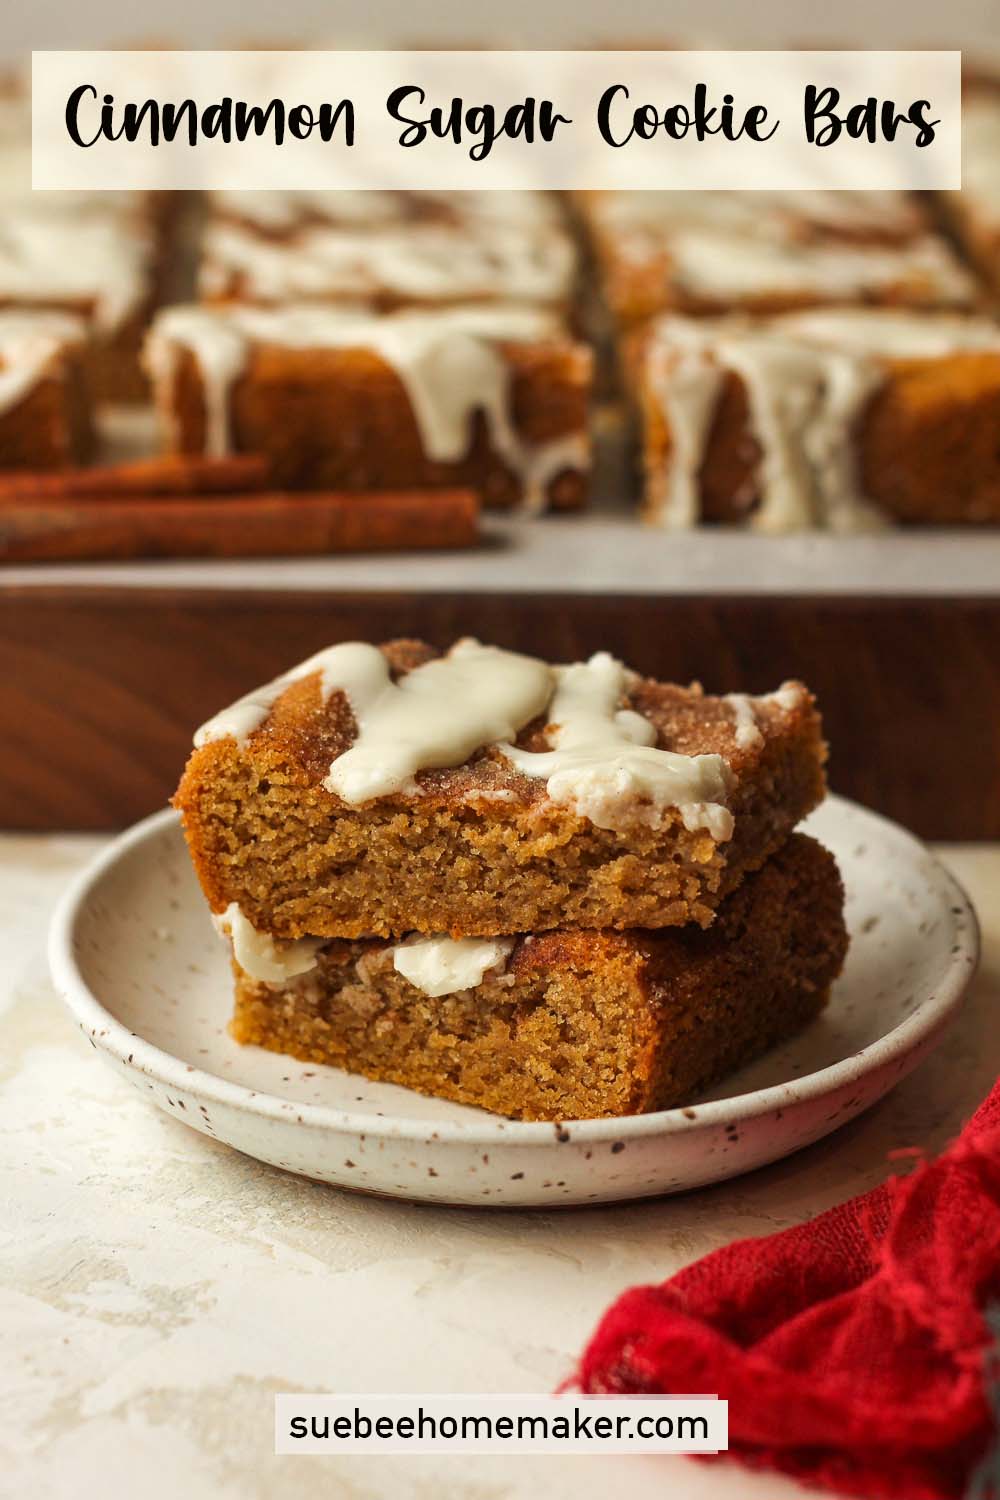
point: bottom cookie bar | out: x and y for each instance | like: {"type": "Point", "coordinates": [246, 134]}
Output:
{"type": "Point", "coordinates": [567, 1024]}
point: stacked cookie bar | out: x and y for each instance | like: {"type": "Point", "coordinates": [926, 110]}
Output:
{"type": "Point", "coordinates": [550, 891]}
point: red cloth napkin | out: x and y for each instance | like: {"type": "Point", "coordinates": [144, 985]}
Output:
{"type": "Point", "coordinates": [853, 1349]}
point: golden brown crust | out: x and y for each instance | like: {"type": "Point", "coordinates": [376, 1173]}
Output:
{"type": "Point", "coordinates": [581, 1024]}
{"type": "Point", "coordinates": [458, 858]}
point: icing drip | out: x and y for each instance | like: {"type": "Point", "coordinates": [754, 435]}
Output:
{"type": "Point", "coordinates": [803, 405]}
{"type": "Point", "coordinates": [604, 763]}
{"type": "Point", "coordinates": [268, 960]}
{"type": "Point", "coordinates": [443, 966]}
{"type": "Point", "coordinates": [29, 342]}
{"type": "Point", "coordinates": [539, 465]}
{"type": "Point", "coordinates": [747, 731]}
{"type": "Point", "coordinates": [437, 715]}
{"type": "Point", "coordinates": [220, 349]}
{"type": "Point", "coordinates": [449, 362]}
{"type": "Point", "coordinates": [807, 377]}
{"type": "Point", "coordinates": [746, 728]}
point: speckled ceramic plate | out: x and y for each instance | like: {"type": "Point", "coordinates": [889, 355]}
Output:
{"type": "Point", "coordinates": [136, 958]}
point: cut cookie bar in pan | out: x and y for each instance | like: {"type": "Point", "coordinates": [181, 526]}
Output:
{"type": "Point", "coordinates": [710, 253]}
{"type": "Point", "coordinates": [418, 263]}
{"type": "Point", "coordinates": [842, 418]}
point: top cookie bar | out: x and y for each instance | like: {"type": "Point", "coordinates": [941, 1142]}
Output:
{"type": "Point", "coordinates": [378, 791]}
{"type": "Point", "coordinates": [707, 253]}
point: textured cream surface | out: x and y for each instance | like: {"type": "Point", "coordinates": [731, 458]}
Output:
{"type": "Point", "coordinates": [443, 965]}
{"type": "Point", "coordinates": [158, 1288]}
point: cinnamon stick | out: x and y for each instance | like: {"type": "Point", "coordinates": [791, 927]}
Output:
{"type": "Point", "coordinates": [190, 475]}
{"type": "Point", "coordinates": [256, 525]}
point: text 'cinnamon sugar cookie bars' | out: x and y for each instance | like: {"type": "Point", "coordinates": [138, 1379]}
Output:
{"type": "Point", "coordinates": [553, 892]}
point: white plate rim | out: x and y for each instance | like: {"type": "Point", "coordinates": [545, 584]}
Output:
{"type": "Point", "coordinates": [136, 1053]}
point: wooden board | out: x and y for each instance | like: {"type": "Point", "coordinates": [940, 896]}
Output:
{"type": "Point", "coordinates": [101, 687]}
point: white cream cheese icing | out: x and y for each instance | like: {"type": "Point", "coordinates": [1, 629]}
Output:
{"type": "Point", "coordinates": [604, 763]}
{"type": "Point", "coordinates": [746, 730]}
{"type": "Point", "coordinates": [280, 211]}
{"type": "Point", "coordinates": [442, 966]}
{"type": "Point", "coordinates": [266, 959]}
{"type": "Point", "coordinates": [277, 211]}
{"type": "Point", "coordinates": [725, 266]}
{"type": "Point", "coordinates": [762, 215]}
{"type": "Point", "coordinates": [356, 668]}
{"type": "Point", "coordinates": [746, 724]}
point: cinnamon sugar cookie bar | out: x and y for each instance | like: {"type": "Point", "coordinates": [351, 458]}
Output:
{"type": "Point", "coordinates": [278, 214]}
{"type": "Point", "coordinates": [973, 212]}
{"type": "Point", "coordinates": [383, 791]}
{"type": "Point", "coordinates": [567, 1024]}
{"type": "Point", "coordinates": [491, 397]}
{"type": "Point", "coordinates": [837, 418]}
{"type": "Point", "coordinates": [705, 253]}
